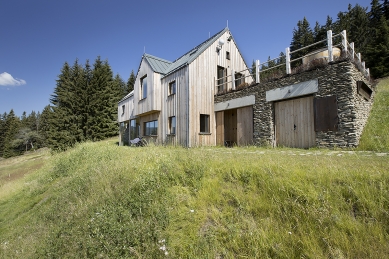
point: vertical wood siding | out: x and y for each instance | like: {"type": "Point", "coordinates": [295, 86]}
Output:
{"type": "Point", "coordinates": [175, 105]}
{"type": "Point", "coordinates": [202, 75]}
{"type": "Point", "coordinates": [128, 111]}
{"type": "Point", "coordinates": [153, 100]}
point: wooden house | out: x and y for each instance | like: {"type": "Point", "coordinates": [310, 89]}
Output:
{"type": "Point", "coordinates": [173, 102]}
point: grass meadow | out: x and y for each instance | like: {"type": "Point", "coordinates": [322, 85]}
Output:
{"type": "Point", "coordinates": [99, 200]}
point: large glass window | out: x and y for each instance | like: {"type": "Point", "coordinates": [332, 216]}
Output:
{"type": "Point", "coordinates": [172, 125]}
{"type": "Point", "coordinates": [143, 87]}
{"type": "Point", "coordinates": [133, 129]}
{"type": "Point", "coordinates": [172, 88]}
{"type": "Point", "coordinates": [151, 128]}
{"type": "Point", "coordinates": [204, 123]}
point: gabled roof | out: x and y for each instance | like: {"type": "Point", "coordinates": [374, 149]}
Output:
{"type": "Point", "coordinates": [165, 67]}
{"type": "Point", "coordinates": [158, 65]}
{"type": "Point", "coordinates": [191, 55]}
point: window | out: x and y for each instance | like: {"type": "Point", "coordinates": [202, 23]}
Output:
{"type": "Point", "coordinates": [143, 87]}
{"type": "Point", "coordinates": [172, 88]}
{"type": "Point", "coordinates": [133, 129]}
{"type": "Point", "coordinates": [151, 128]}
{"type": "Point", "coordinates": [239, 79]}
{"type": "Point", "coordinates": [227, 55]}
{"type": "Point", "coordinates": [204, 123]}
{"type": "Point", "coordinates": [123, 108]}
{"type": "Point", "coordinates": [172, 125]}
{"type": "Point", "coordinates": [221, 73]}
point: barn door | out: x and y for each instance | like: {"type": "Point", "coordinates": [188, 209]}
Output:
{"type": "Point", "coordinates": [294, 123]}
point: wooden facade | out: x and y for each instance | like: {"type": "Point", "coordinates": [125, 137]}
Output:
{"type": "Point", "coordinates": [192, 103]}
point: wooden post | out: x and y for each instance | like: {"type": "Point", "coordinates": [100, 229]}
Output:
{"type": "Point", "coordinates": [352, 50]}
{"type": "Point", "coordinates": [368, 72]}
{"type": "Point", "coordinates": [257, 78]}
{"type": "Point", "coordinates": [329, 44]}
{"type": "Point", "coordinates": [363, 65]}
{"type": "Point", "coordinates": [359, 57]}
{"type": "Point", "coordinates": [344, 40]}
{"type": "Point", "coordinates": [287, 56]}
{"type": "Point", "coordinates": [233, 79]}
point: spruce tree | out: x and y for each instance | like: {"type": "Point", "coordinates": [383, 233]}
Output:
{"type": "Point", "coordinates": [130, 83]}
{"type": "Point", "coordinates": [3, 131]}
{"type": "Point", "coordinates": [12, 125]}
{"type": "Point", "coordinates": [302, 37]}
{"type": "Point", "coordinates": [103, 102]}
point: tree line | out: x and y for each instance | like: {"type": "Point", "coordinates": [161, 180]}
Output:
{"type": "Point", "coordinates": [82, 107]}
{"type": "Point", "coordinates": [368, 29]}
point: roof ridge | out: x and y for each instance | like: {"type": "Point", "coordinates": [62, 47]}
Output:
{"type": "Point", "coordinates": [198, 46]}
{"type": "Point", "coordinates": [155, 57]}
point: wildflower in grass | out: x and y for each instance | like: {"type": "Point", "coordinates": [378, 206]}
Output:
{"type": "Point", "coordinates": [191, 211]}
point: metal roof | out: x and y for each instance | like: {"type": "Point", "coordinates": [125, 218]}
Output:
{"type": "Point", "coordinates": [158, 65]}
{"type": "Point", "coordinates": [191, 55]}
{"type": "Point", "coordinates": [166, 67]}
{"type": "Point", "coordinates": [127, 96]}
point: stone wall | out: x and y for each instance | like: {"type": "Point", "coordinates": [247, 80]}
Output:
{"type": "Point", "coordinates": [337, 79]}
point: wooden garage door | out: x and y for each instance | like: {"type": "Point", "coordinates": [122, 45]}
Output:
{"type": "Point", "coordinates": [294, 123]}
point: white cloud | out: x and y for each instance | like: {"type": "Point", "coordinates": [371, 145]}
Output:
{"type": "Point", "coordinates": [7, 80]}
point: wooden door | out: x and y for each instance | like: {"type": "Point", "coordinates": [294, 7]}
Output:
{"type": "Point", "coordinates": [245, 125]}
{"type": "Point", "coordinates": [294, 123]}
{"type": "Point", "coordinates": [220, 128]}
{"type": "Point", "coordinates": [230, 127]}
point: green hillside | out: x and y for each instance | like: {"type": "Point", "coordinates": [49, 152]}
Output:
{"type": "Point", "coordinates": [98, 200]}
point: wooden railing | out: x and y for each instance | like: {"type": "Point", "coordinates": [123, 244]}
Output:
{"type": "Point", "coordinates": [345, 46]}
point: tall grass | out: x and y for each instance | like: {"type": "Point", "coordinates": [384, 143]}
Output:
{"type": "Point", "coordinates": [102, 201]}
{"type": "Point", "coordinates": [375, 136]}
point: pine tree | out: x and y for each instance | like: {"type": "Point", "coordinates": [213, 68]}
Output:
{"type": "Point", "coordinates": [385, 7]}
{"type": "Point", "coordinates": [3, 131]}
{"type": "Point", "coordinates": [377, 53]}
{"type": "Point", "coordinates": [356, 22]}
{"type": "Point", "coordinates": [12, 125]}
{"type": "Point", "coordinates": [120, 86]}
{"type": "Point", "coordinates": [103, 102]}
{"type": "Point", "coordinates": [302, 37]}
{"type": "Point", "coordinates": [130, 83]}
{"type": "Point", "coordinates": [44, 124]}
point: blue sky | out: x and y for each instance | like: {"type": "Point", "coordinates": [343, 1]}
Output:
{"type": "Point", "coordinates": [38, 36]}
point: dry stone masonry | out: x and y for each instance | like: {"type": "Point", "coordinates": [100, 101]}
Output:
{"type": "Point", "coordinates": [336, 79]}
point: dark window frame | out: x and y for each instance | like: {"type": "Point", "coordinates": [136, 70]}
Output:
{"type": "Point", "coordinates": [172, 88]}
{"type": "Point", "coordinates": [204, 123]}
{"type": "Point", "coordinates": [172, 125]}
{"type": "Point", "coordinates": [151, 128]}
{"type": "Point", "coordinates": [143, 87]}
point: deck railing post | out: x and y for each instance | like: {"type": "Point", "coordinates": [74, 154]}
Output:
{"type": "Point", "coordinates": [359, 57]}
{"type": "Point", "coordinates": [233, 79]}
{"type": "Point", "coordinates": [344, 40]}
{"type": "Point", "coordinates": [352, 50]}
{"type": "Point", "coordinates": [363, 65]}
{"type": "Point", "coordinates": [287, 56]}
{"type": "Point", "coordinates": [257, 79]}
{"type": "Point", "coordinates": [329, 44]}
{"type": "Point", "coordinates": [368, 72]}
